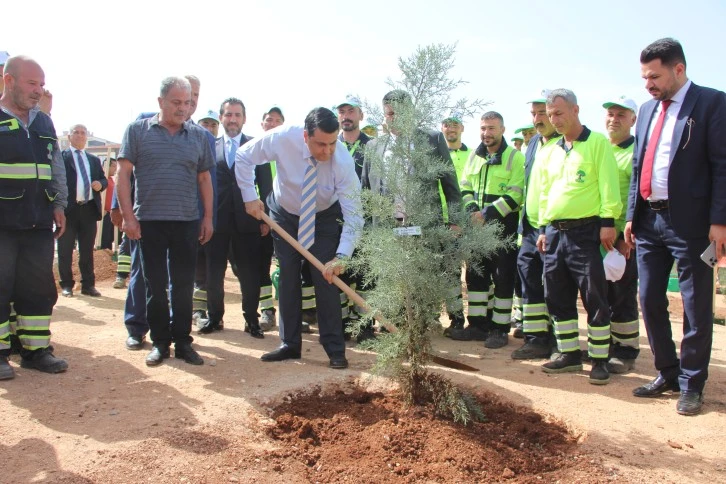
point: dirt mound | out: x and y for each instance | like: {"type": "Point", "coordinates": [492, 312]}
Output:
{"type": "Point", "coordinates": [358, 436]}
{"type": "Point", "coordinates": [104, 266]}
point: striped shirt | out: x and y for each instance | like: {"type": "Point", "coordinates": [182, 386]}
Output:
{"type": "Point", "coordinates": [166, 168]}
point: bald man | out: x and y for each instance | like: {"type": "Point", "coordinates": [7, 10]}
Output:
{"type": "Point", "coordinates": [33, 197]}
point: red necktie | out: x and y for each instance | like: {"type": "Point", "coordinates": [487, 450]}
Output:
{"type": "Point", "coordinates": [647, 172]}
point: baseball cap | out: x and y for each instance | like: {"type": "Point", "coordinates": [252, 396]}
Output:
{"type": "Point", "coordinates": [614, 264]}
{"type": "Point", "coordinates": [623, 102]}
{"type": "Point", "coordinates": [211, 114]}
{"type": "Point", "coordinates": [541, 97]}
{"type": "Point", "coordinates": [274, 109]}
{"type": "Point", "coordinates": [517, 137]}
{"type": "Point", "coordinates": [4, 56]}
{"type": "Point", "coordinates": [455, 116]}
{"type": "Point", "coordinates": [523, 128]}
{"type": "Point", "coordinates": [350, 100]}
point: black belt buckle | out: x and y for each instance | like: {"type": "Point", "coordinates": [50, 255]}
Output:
{"type": "Point", "coordinates": [658, 205]}
{"type": "Point", "coordinates": [560, 224]}
{"type": "Point", "coordinates": [82, 202]}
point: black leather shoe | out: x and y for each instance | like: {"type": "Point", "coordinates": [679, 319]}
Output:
{"type": "Point", "coordinates": [282, 353]}
{"type": "Point", "coordinates": [90, 291]}
{"type": "Point", "coordinates": [656, 387]}
{"type": "Point", "coordinates": [207, 326]}
{"type": "Point", "coordinates": [338, 362]}
{"type": "Point", "coordinates": [254, 330]}
{"type": "Point", "coordinates": [67, 291]}
{"type": "Point", "coordinates": [187, 353]}
{"type": "Point", "coordinates": [689, 403]}
{"type": "Point", "coordinates": [135, 343]}
{"type": "Point", "coordinates": [157, 355]}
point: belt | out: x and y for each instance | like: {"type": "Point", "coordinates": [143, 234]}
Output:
{"type": "Point", "coordinates": [658, 204]}
{"type": "Point", "coordinates": [83, 202]}
{"type": "Point", "coordinates": [567, 224]}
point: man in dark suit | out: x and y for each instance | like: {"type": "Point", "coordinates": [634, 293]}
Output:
{"type": "Point", "coordinates": [235, 227]}
{"type": "Point", "coordinates": [86, 181]}
{"type": "Point", "coordinates": [381, 148]}
{"type": "Point", "coordinates": [677, 205]}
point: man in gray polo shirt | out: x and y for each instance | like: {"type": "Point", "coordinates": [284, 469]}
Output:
{"type": "Point", "coordinates": [170, 158]}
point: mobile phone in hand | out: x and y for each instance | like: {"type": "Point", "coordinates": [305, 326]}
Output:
{"type": "Point", "coordinates": [709, 255]}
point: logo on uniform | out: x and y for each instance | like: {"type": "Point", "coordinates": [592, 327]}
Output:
{"type": "Point", "coordinates": [50, 151]}
{"type": "Point", "coordinates": [580, 176]}
{"type": "Point", "coordinates": [502, 187]}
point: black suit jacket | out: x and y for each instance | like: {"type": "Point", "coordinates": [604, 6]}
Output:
{"type": "Point", "coordinates": [697, 173]}
{"type": "Point", "coordinates": [71, 179]}
{"type": "Point", "coordinates": [231, 214]}
{"type": "Point", "coordinates": [438, 148]}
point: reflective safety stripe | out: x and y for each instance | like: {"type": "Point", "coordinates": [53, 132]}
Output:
{"type": "Point", "coordinates": [33, 331]}
{"type": "Point", "coordinates": [517, 302]}
{"type": "Point", "coordinates": [477, 311]}
{"type": "Point", "coordinates": [25, 171]}
{"type": "Point", "coordinates": [515, 188]}
{"type": "Point", "coordinates": [308, 291]}
{"type": "Point", "coordinates": [534, 310]}
{"type": "Point", "coordinates": [534, 326]}
{"type": "Point", "coordinates": [501, 303]}
{"type": "Point", "coordinates": [562, 327]}
{"type": "Point", "coordinates": [265, 291]}
{"type": "Point", "coordinates": [502, 207]}
{"type": "Point", "coordinates": [565, 345]}
{"type": "Point", "coordinates": [199, 305]}
{"type": "Point", "coordinates": [200, 294]}
{"type": "Point", "coordinates": [599, 333]}
{"type": "Point", "coordinates": [630, 342]}
{"type": "Point", "coordinates": [630, 327]}
{"type": "Point", "coordinates": [5, 331]}
{"type": "Point", "coordinates": [500, 318]}
{"type": "Point", "coordinates": [124, 263]}
{"type": "Point", "coordinates": [308, 303]}
{"type": "Point", "coordinates": [476, 297]}
{"type": "Point", "coordinates": [598, 351]}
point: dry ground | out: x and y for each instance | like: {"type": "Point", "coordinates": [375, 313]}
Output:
{"type": "Point", "coordinates": [112, 419]}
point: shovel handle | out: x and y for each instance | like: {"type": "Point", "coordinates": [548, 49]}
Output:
{"type": "Point", "coordinates": [319, 265]}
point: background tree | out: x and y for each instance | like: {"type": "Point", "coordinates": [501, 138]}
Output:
{"type": "Point", "coordinates": [412, 277]}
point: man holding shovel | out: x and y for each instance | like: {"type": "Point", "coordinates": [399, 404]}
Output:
{"type": "Point", "coordinates": [316, 186]}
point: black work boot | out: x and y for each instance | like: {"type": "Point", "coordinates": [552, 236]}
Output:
{"type": "Point", "coordinates": [43, 360]}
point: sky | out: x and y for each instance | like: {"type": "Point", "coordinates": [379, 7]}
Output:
{"type": "Point", "coordinates": [104, 60]}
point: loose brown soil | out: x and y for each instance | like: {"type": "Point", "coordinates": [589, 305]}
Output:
{"type": "Point", "coordinates": [352, 435]}
{"type": "Point", "coordinates": [112, 419]}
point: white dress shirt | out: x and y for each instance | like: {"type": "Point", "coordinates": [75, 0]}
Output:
{"type": "Point", "coordinates": [664, 151]}
{"type": "Point", "coordinates": [337, 180]}
{"type": "Point", "coordinates": [80, 195]}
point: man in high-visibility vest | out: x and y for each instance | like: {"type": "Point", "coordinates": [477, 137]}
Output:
{"type": "Point", "coordinates": [34, 196]}
{"type": "Point", "coordinates": [535, 318]}
{"type": "Point", "coordinates": [578, 204]}
{"type": "Point", "coordinates": [452, 128]}
{"type": "Point", "coordinates": [623, 293]}
{"type": "Point", "coordinates": [492, 187]}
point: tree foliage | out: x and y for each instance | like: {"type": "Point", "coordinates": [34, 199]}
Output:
{"type": "Point", "coordinates": [410, 278]}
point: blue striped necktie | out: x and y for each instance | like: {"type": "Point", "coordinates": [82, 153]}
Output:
{"type": "Point", "coordinates": [232, 152]}
{"type": "Point", "coordinates": [84, 177]}
{"type": "Point", "coordinates": [306, 227]}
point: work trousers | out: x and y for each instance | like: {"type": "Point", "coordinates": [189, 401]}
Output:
{"type": "Point", "coordinates": [26, 278]}
{"type": "Point", "coordinates": [573, 262]}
